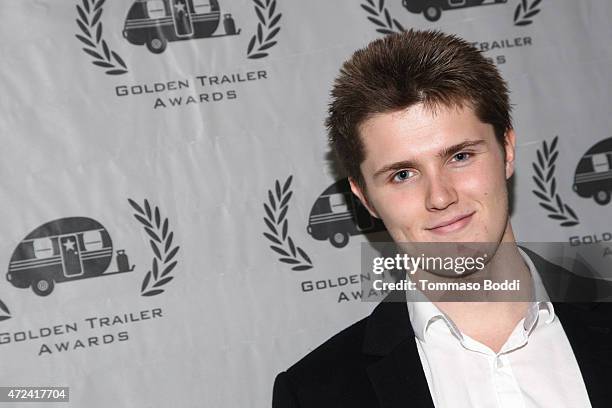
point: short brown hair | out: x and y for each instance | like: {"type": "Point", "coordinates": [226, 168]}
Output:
{"type": "Point", "coordinates": [404, 69]}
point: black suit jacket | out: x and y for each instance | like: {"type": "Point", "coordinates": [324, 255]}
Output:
{"type": "Point", "coordinates": [375, 362]}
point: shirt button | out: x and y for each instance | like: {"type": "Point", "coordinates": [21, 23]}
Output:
{"type": "Point", "coordinates": [498, 362]}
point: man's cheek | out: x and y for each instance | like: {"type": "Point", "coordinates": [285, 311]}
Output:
{"type": "Point", "coordinates": [475, 182]}
{"type": "Point", "coordinates": [403, 223]}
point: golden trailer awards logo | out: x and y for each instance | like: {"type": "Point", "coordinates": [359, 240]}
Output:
{"type": "Point", "coordinates": [336, 215]}
{"type": "Point", "coordinates": [379, 14]}
{"type": "Point", "coordinates": [69, 250]}
{"type": "Point", "coordinates": [159, 24]}
{"type": "Point", "coordinates": [592, 180]}
{"type": "Point", "coordinates": [74, 248]}
{"type": "Point", "coordinates": [387, 21]}
{"type": "Point", "coordinates": [155, 23]}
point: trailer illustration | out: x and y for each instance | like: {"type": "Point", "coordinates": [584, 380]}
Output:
{"type": "Point", "coordinates": [593, 176]}
{"type": "Point", "coordinates": [157, 22]}
{"type": "Point", "coordinates": [63, 250]}
{"type": "Point", "coordinates": [432, 9]}
{"type": "Point", "coordinates": [337, 214]}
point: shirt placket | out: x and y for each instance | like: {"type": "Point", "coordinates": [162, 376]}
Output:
{"type": "Point", "coordinates": [506, 388]}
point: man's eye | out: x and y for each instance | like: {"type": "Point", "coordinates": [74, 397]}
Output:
{"type": "Point", "coordinates": [462, 156]}
{"type": "Point", "coordinates": [402, 175]}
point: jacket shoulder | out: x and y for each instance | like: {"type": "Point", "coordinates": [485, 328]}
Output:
{"type": "Point", "coordinates": [336, 373]}
{"type": "Point", "coordinates": [333, 374]}
{"type": "Point", "coordinates": [345, 347]}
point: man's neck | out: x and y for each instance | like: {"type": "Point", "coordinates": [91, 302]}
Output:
{"type": "Point", "coordinates": [489, 323]}
{"type": "Point", "coordinates": [491, 317]}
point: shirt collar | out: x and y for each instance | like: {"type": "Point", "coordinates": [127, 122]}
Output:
{"type": "Point", "coordinates": [422, 312]}
{"type": "Point", "coordinates": [542, 301]}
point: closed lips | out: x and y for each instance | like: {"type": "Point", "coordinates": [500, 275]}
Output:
{"type": "Point", "coordinates": [451, 221]}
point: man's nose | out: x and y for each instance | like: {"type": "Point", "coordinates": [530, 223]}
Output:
{"type": "Point", "coordinates": [440, 193]}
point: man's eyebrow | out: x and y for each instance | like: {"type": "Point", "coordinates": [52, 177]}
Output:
{"type": "Point", "coordinates": [446, 152]}
{"type": "Point", "coordinates": [395, 166]}
{"type": "Point", "coordinates": [451, 150]}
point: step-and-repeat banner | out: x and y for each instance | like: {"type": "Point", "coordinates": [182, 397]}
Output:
{"type": "Point", "coordinates": [173, 232]}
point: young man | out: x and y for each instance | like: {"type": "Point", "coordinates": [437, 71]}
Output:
{"type": "Point", "coordinates": [421, 123]}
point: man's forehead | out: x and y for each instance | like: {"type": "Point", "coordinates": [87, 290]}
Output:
{"type": "Point", "coordinates": [419, 113]}
{"type": "Point", "coordinates": [420, 128]}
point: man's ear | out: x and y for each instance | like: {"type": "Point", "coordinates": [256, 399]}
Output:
{"type": "Point", "coordinates": [509, 146]}
{"type": "Point", "coordinates": [356, 189]}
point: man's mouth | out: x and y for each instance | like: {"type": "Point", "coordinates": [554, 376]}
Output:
{"type": "Point", "coordinates": [452, 224]}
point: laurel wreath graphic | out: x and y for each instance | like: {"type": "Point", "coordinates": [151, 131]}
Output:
{"type": "Point", "coordinates": [5, 310]}
{"type": "Point", "coordinates": [88, 20]}
{"type": "Point", "coordinates": [546, 184]}
{"type": "Point", "coordinates": [379, 15]}
{"type": "Point", "coordinates": [276, 221]}
{"type": "Point", "coordinates": [266, 29]}
{"type": "Point", "coordinates": [524, 12]}
{"type": "Point", "coordinates": [161, 244]}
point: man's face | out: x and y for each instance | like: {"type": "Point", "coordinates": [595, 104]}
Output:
{"type": "Point", "coordinates": [436, 177]}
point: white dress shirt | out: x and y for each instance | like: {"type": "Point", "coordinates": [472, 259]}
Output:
{"type": "Point", "coordinates": [535, 368]}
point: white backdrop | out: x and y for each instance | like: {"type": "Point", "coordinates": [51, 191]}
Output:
{"type": "Point", "coordinates": [207, 128]}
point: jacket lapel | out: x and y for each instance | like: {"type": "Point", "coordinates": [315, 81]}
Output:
{"type": "Point", "coordinates": [588, 327]}
{"type": "Point", "coordinates": [398, 378]}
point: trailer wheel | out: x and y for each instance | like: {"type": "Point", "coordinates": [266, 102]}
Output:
{"type": "Point", "coordinates": [156, 44]}
{"type": "Point", "coordinates": [602, 197]}
{"type": "Point", "coordinates": [42, 286]}
{"type": "Point", "coordinates": [432, 13]}
{"type": "Point", "coordinates": [339, 239]}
